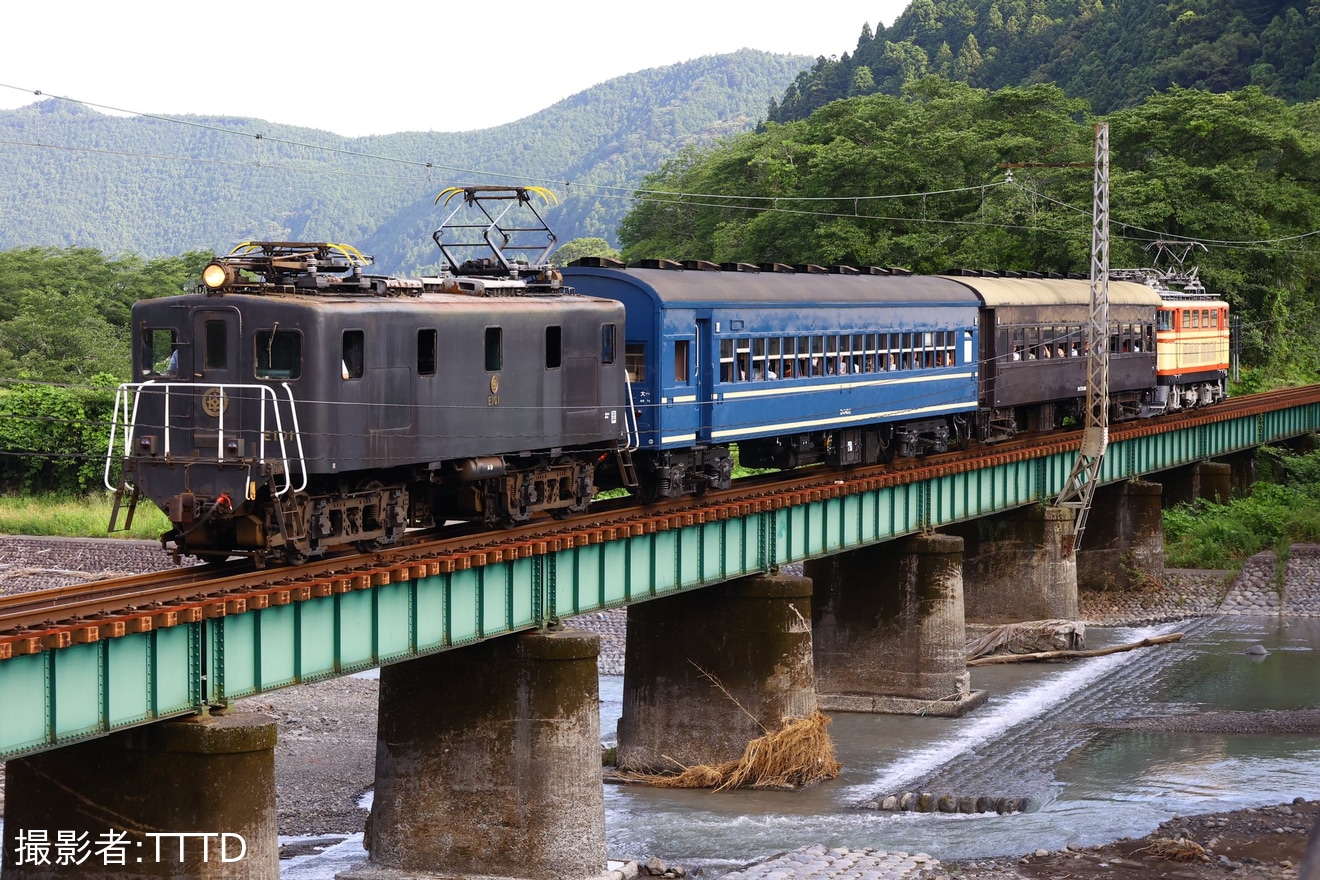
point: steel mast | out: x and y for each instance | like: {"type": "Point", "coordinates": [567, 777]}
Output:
{"type": "Point", "coordinates": [1080, 487]}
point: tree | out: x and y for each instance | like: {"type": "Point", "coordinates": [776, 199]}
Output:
{"type": "Point", "coordinates": [583, 247]}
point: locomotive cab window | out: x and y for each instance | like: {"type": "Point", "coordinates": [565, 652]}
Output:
{"type": "Point", "coordinates": [354, 358]}
{"type": "Point", "coordinates": [606, 344]}
{"type": "Point", "coordinates": [494, 349]}
{"type": "Point", "coordinates": [217, 345]}
{"type": "Point", "coordinates": [426, 344]}
{"type": "Point", "coordinates": [554, 347]}
{"type": "Point", "coordinates": [279, 354]}
{"type": "Point", "coordinates": [1165, 320]}
{"type": "Point", "coordinates": [158, 352]}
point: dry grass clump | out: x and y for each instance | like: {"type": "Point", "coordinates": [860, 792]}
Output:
{"type": "Point", "coordinates": [798, 754]}
{"type": "Point", "coordinates": [1175, 849]}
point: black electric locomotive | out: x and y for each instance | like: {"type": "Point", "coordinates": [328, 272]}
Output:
{"type": "Point", "coordinates": [300, 403]}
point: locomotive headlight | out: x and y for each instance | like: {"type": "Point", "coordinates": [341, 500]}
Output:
{"type": "Point", "coordinates": [217, 275]}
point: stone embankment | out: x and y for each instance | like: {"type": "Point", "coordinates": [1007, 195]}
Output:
{"type": "Point", "coordinates": [820, 863]}
{"type": "Point", "coordinates": [1261, 588]}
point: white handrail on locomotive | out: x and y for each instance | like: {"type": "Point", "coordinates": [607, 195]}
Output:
{"type": "Point", "coordinates": [135, 389]}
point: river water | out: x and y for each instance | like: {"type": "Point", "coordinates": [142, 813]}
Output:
{"type": "Point", "coordinates": [1041, 735]}
{"type": "Point", "coordinates": [1046, 733]}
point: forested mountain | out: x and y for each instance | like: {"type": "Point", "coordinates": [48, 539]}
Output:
{"type": "Point", "coordinates": [918, 181]}
{"type": "Point", "coordinates": [1113, 53]}
{"type": "Point", "coordinates": [76, 177]}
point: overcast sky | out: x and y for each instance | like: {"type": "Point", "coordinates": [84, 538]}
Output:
{"type": "Point", "coordinates": [386, 65]}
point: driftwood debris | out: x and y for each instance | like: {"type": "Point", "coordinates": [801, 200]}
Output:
{"type": "Point", "coordinates": [1069, 655]}
{"type": "Point", "coordinates": [799, 754]}
{"type": "Point", "coordinates": [1029, 637]}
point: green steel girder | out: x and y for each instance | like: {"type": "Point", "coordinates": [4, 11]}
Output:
{"type": "Point", "coordinates": [84, 691]}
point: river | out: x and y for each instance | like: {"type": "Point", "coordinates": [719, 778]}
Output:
{"type": "Point", "coordinates": [1049, 732]}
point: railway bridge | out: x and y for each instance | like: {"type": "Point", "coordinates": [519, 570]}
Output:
{"type": "Point", "coordinates": [488, 757]}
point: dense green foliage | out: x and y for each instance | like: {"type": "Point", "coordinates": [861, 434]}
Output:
{"type": "Point", "coordinates": [156, 187]}
{"type": "Point", "coordinates": [1113, 54]}
{"type": "Point", "coordinates": [1282, 509]}
{"type": "Point", "coordinates": [583, 247]}
{"type": "Point", "coordinates": [1218, 168]}
{"type": "Point", "coordinates": [64, 317]}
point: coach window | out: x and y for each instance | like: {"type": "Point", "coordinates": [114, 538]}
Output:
{"type": "Point", "coordinates": [634, 361]}
{"type": "Point", "coordinates": [1186, 319]}
{"type": "Point", "coordinates": [789, 370]}
{"type": "Point", "coordinates": [743, 359]}
{"type": "Point", "coordinates": [554, 347]}
{"type": "Point", "coordinates": [426, 352]}
{"type": "Point", "coordinates": [758, 360]}
{"type": "Point", "coordinates": [494, 349]}
{"type": "Point", "coordinates": [217, 345]}
{"type": "Point", "coordinates": [353, 360]}
{"type": "Point", "coordinates": [606, 344]}
{"type": "Point", "coordinates": [681, 347]}
{"type": "Point", "coordinates": [1214, 317]}
{"type": "Point", "coordinates": [1164, 317]}
{"type": "Point", "coordinates": [279, 354]}
{"type": "Point", "coordinates": [726, 360]}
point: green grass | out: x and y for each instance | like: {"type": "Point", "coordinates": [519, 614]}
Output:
{"type": "Point", "coordinates": [1282, 509]}
{"type": "Point", "coordinates": [68, 517]}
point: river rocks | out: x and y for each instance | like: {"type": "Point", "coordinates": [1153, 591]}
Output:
{"type": "Point", "coordinates": [656, 867]}
{"type": "Point", "coordinates": [821, 863]}
{"type": "Point", "coordinates": [926, 802]}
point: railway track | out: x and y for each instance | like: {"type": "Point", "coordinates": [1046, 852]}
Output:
{"type": "Point", "coordinates": [85, 613]}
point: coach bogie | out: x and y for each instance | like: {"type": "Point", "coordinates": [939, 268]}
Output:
{"type": "Point", "coordinates": [676, 473]}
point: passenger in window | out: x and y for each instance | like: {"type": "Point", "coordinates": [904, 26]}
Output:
{"type": "Point", "coordinates": [1017, 352]}
{"type": "Point", "coordinates": [1072, 352]}
{"type": "Point", "coordinates": [172, 368]}
{"type": "Point", "coordinates": [1045, 351]}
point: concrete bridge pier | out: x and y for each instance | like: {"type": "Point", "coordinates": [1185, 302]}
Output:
{"type": "Point", "coordinates": [488, 763]}
{"type": "Point", "coordinates": [1243, 465]}
{"type": "Point", "coordinates": [1202, 481]}
{"type": "Point", "coordinates": [1019, 566]}
{"type": "Point", "coordinates": [889, 630]}
{"type": "Point", "coordinates": [706, 672]}
{"type": "Point", "coordinates": [1123, 546]}
{"type": "Point", "coordinates": [191, 798]}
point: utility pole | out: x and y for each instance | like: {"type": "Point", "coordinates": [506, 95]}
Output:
{"type": "Point", "coordinates": [1078, 491]}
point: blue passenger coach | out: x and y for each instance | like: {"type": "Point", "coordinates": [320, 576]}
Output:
{"type": "Point", "coordinates": [794, 367]}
